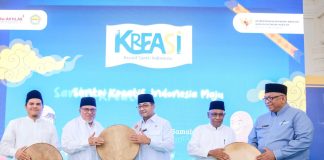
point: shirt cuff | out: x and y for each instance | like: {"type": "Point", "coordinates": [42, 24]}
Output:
{"type": "Point", "coordinates": [12, 152]}
{"type": "Point", "coordinates": [277, 154]}
{"type": "Point", "coordinates": [205, 153]}
{"type": "Point", "coordinates": [85, 143]}
{"type": "Point", "coordinates": [153, 143]}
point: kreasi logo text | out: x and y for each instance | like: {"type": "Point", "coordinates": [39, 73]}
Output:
{"type": "Point", "coordinates": [151, 46]}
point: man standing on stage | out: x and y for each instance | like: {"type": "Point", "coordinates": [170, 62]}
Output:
{"type": "Point", "coordinates": [284, 132]}
{"type": "Point", "coordinates": [80, 135]}
{"type": "Point", "coordinates": [154, 134]}
{"type": "Point", "coordinates": [208, 141]}
{"type": "Point", "coordinates": [23, 132]}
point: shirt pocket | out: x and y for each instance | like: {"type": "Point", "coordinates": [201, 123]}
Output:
{"type": "Point", "coordinates": [262, 130]}
{"type": "Point", "coordinates": [155, 133]}
{"type": "Point", "coordinates": [285, 129]}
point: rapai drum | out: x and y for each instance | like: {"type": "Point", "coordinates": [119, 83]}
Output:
{"type": "Point", "coordinates": [117, 145]}
{"type": "Point", "coordinates": [43, 151]}
{"type": "Point", "coordinates": [241, 151]}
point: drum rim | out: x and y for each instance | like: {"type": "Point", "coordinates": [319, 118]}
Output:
{"type": "Point", "coordinates": [102, 156]}
{"type": "Point", "coordinates": [246, 145]}
{"type": "Point", "coordinates": [50, 145]}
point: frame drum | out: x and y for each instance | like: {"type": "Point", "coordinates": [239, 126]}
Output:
{"type": "Point", "coordinates": [241, 151]}
{"type": "Point", "coordinates": [43, 151]}
{"type": "Point", "coordinates": [117, 145]}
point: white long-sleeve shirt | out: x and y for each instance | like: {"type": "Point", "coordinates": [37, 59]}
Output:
{"type": "Point", "coordinates": [75, 136]}
{"type": "Point", "coordinates": [160, 132]}
{"type": "Point", "coordinates": [25, 131]}
{"type": "Point", "coordinates": [207, 137]}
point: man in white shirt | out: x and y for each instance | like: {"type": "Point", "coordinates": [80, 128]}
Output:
{"type": "Point", "coordinates": [23, 132]}
{"type": "Point", "coordinates": [208, 141]}
{"type": "Point", "coordinates": [154, 134]}
{"type": "Point", "coordinates": [80, 135]}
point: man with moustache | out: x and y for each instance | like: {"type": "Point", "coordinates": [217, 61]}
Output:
{"type": "Point", "coordinates": [284, 133]}
{"type": "Point", "coordinates": [80, 135]}
{"type": "Point", "coordinates": [154, 134]}
{"type": "Point", "coordinates": [23, 132]}
{"type": "Point", "coordinates": [207, 141]}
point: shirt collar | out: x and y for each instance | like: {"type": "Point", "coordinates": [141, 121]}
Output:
{"type": "Point", "coordinates": [281, 111]}
{"type": "Point", "coordinates": [153, 118]}
{"type": "Point", "coordinates": [30, 119]}
{"type": "Point", "coordinates": [85, 122]}
{"type": "Point", "coordinates": [212, 127]}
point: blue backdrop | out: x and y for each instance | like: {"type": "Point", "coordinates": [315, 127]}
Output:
{"type": "Point", "coordinates": [226, 64]}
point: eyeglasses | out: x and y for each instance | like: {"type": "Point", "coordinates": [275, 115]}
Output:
{"type": "Point", "coordinates": [271, 98]}
{"type": "Point", "coordinates": [144, 105]}
{"type": "Point", "coordinates": [92, 110]}
{"type": "Point", "coordinates": [217, 114]}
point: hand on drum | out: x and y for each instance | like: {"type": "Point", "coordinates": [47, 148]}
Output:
{"type": "Point", "coordinates": [21, 154]}
{"type": "Point", "coordinates": [219, 154]}
{"type": "Point", "coordinates": [140, 139]}
{"type": "Point", "coordinates": [95, 141]}
{"type": "Point", "coordinates": [267, 155]}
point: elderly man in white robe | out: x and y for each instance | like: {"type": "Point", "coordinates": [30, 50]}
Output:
{"type": "Point", "coordinates": [207, 141]}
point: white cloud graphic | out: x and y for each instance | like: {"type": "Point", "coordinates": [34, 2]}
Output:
{"type": "Point", "coordinates": [255, 95]}
{"type": "Point", "coordinates": [20, 60]}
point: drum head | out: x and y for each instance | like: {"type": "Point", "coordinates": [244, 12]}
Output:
{"type": "Point", "coordinates": [241, 151]}
{"type": "Point", "coordinates": [43, 151]}
{"type": "Point", "coordinates": [117, 145]}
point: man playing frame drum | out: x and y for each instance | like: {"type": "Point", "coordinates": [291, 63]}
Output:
{"type": "Point", "coordinates": [154, 134]}
{"type": "Point", "coordinates": [117, 145]}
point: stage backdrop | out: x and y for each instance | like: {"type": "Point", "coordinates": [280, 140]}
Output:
{"type": "Point", "coordinates": [185, 53]}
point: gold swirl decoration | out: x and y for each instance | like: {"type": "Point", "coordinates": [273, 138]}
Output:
{"type": "Point", "coordinates": [19, 61]}
{"type": "Point", "coordinates": [296, 95]}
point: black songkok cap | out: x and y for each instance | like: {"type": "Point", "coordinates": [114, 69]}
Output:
{"type": "Point", "coordinates": [145, 98]}
{"type": "Point", "coordinates": [88, 101]}
{"type": "Point", "coordinates": [275, 87]}
{"type": "Point", "coordinates": [217, 105]}
{"type": "Point", "coordinates": [33, 94]}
